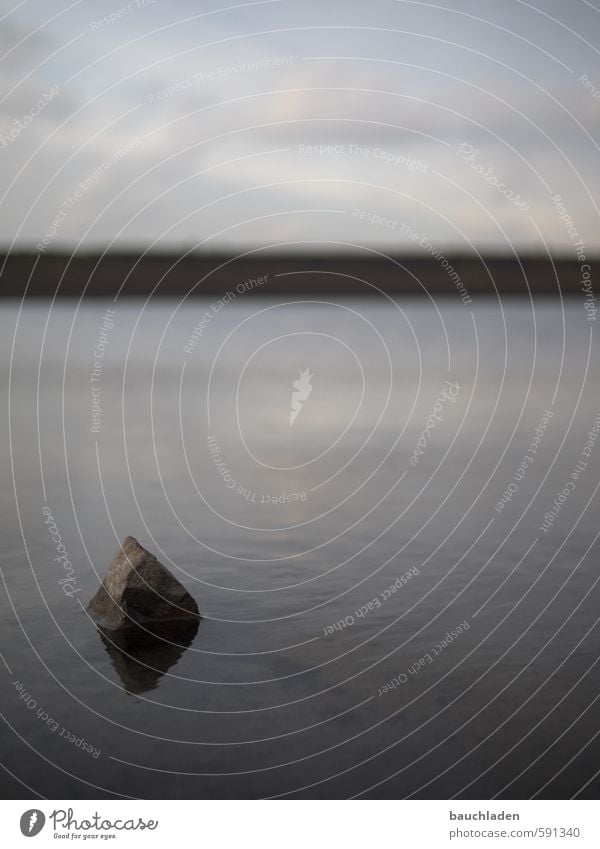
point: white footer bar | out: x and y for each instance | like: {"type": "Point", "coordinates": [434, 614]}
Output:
{"type": "Point", "coordinates": [297, 824]}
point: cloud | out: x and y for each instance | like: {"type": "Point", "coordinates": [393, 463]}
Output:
{"type": "Point", "coordinates": [222, 100]}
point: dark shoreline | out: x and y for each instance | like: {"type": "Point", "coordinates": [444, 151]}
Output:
{"type": "Point", "coordinates": [287, 275]}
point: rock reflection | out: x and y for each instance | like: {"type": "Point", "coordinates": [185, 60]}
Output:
{"type": "Point", "coordinates": [141, 659]}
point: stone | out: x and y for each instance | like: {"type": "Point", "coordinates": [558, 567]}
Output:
{"type": "Point", "coordinates": [140, 596]}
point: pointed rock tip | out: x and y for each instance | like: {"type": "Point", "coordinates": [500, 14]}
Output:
{"type": "Point", "coordinates": [139, 591]}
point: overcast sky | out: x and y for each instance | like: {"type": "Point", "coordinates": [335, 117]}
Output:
{"type": "Point", "coordinates": [198, 124]}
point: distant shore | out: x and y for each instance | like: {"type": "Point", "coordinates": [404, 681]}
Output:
{"type": "Point", "coordinates": [270, 274]}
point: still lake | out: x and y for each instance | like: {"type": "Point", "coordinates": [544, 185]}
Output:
{"type": "Point", "coordinates": [387, 512]}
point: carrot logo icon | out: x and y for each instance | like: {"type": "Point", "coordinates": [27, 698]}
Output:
{"type": "Point", "coordinates": [32, 822]}
{"type": "Point", "coordinates": [301, 390]}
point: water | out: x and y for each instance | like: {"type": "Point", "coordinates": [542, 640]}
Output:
{"type": "Point", "coordinates": [290, 538]}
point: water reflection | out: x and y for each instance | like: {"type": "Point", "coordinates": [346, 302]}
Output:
{"type": "Point", "coordinates": [141, 661]}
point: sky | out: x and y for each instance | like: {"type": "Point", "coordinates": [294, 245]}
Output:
{"type": "Point", "coordinates": [389, 125]}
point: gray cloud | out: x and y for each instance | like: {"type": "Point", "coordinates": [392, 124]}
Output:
{"type": "Point", "coordinates": [193, 122]}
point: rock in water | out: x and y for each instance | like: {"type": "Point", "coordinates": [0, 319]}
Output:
{"type": "Point", "coordinates": [139, 594]}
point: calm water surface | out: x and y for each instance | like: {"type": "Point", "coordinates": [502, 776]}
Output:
{"type": "Point", "coordinates": [290, 538]}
